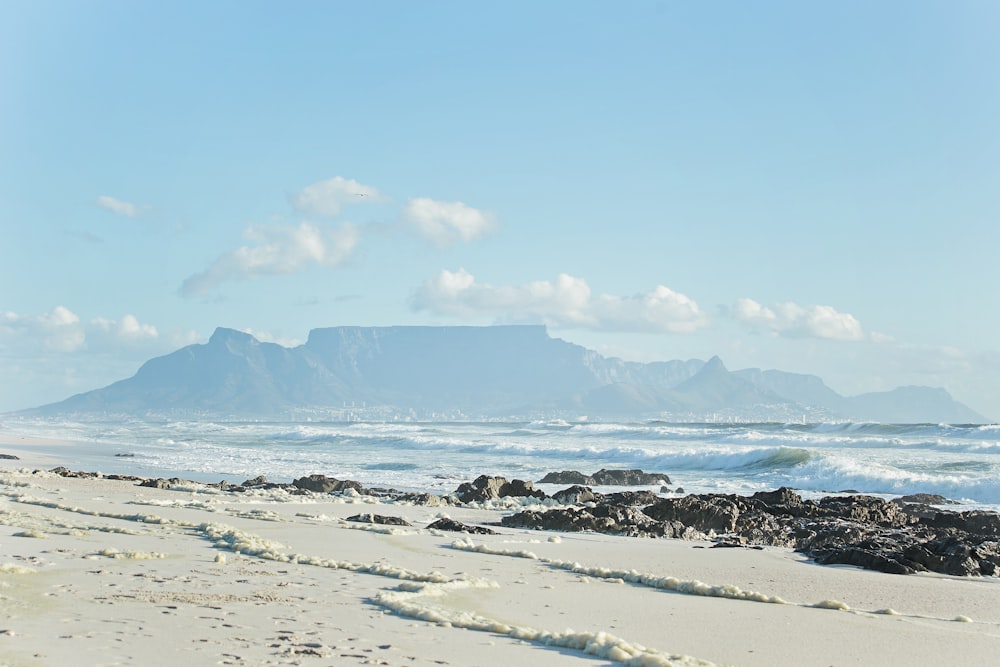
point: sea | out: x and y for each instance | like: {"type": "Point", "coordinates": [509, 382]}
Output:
{"type": "Point", "coordinates": [959, 462]}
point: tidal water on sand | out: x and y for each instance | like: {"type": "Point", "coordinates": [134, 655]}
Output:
{"type": "Point", "coordinates": [960, 462]}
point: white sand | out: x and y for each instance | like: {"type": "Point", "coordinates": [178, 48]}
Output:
{"type": "Point", "coordinates": [97, 572]}
{"type": "Point", "coordinates": [30, 451]}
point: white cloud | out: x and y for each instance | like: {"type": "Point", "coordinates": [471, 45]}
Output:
{"type": "Point", "coordinates": [58, 330]}
{"type": "Point", "coordinates": [444, 222]}
{"type": "Point", "coordinates": [277, 250]}
{"type": "Point", "coordinates": [792, 320]}
{"type": "Point", "coordinates": [326, 198]}
{"type": "Point", "coordinates": [118, 206]}
{"type": "Point", "coordinates": [62, 331]}
{"type": "Point", "coordinates": [565, 303]}
{"type": "Point", "coordinates": [108, 334]}
{"type": "Point", "coordinates": [58, 353]}
{"type": "Point", "coordinates": [268, 337]}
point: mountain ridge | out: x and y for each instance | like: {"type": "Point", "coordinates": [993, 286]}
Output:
{"type": "Point", "coordinates": [508, 371]}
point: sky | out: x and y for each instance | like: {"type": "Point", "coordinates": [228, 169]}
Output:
{"type": "Point", "coordinates": [812, 187]}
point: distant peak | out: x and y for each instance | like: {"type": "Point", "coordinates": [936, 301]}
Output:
{"type": "Point", "coordinates": [715, 364]}
{"type": "Point", "coordinates": [223, 335]}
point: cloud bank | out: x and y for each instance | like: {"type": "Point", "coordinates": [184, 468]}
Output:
{"type": "Point", "coordinates": [794, 321]}
{"type": "Point", "coordinates": [445, 223]}
{"type": "Point", "coordinates": [62, 331]}
{"type": "Point", "coordinates": [276, 250]}
{"type": "Point", "coordinates": [328, 197]}
{"type": "Point", "coordinates": [565, 303]}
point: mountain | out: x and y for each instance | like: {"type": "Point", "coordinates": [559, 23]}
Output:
{"type": "Point", "coordinates": [902, 405]}
{"type": "Point", "coordinates": [714, 387]}
{"type": "Point", "coordinates": [474, 372]}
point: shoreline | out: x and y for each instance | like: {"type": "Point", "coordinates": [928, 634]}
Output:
{"type": "Point", "coordinates": [24, 450]}
{"type": "Point", "coordinates": [113, 569]}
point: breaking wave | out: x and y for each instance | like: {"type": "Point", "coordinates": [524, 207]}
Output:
{"type": "Point", "coordinates": [957, 461]}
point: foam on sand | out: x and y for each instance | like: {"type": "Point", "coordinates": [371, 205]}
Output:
{"type": "Point", "coordinates": [266, 578]}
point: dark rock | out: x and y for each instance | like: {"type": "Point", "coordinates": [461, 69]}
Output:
{"type": "Point", "coordinates": [867, 558]}
{"type": "Point", "coordinates": [602, 519]}
{"type": "Point", "coordinates": [629, 478]}
{"type": "Point", "coordinates": [324, 484]}
{"type": "Point", "coordinates": [521, 489]}
{"type": "Point", "coordinates": [566, 477]}
{"type": "Point", "coordinates": [606, 477]}
{"type": "Point", "coordinates": [428, 499]}
{"type": "Point", "coordinates": [259, 480]}
{"type": "Point", "coordinates": [123, 478]}
{"type": "Point", "coordinates": [631, 498]}
{"type": "Point", "coordinates": [459, 527]}
{"type": "Point", "coordinates": [779, 498]}
{"type": "Point", "coordinates": [485, 487]}
{"type": "Point", "coordinates": [976, 522]}
{"type": "Point", "coordinates": [482, 488]}
{"type": "Point", "coordinates": [864, 531]}
{"type": "Point", "coordinates": [380, 519]}
{"type": "Point", "coordinates": [865, 509]}
{"type": "Point", "coordinates": [926, 499]}
{"type": "Point", "coordinates": [716, 514]}
{"type": "Point", "coordinates": [576, 495]}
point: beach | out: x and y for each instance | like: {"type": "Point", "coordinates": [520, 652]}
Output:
{"type": "Point", "coordinates": [105, 572]}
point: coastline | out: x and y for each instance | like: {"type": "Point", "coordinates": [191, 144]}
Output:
{"type": "Point", "coordinates": [115, 572]}
{"type": "Point", "coordinates": [25, 449]}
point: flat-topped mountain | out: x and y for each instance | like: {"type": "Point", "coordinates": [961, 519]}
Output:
{"type": "Point", "coordinates": [474, 372]}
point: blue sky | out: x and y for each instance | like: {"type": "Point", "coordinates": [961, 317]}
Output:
{"type": "Point", "coordinates": [812, 187]}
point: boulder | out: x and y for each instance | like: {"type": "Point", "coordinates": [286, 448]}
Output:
{"type": "Point", "coordinates": [458, 527]}
{"type": "Point", "coordinates": [566, 477]}
{"type": "Point", "coordinates": [485, 487]}
{"type": "Point", "coordinates": [858, 530]}
{"type": "Point", "coordinates": [977, 522]}
{"type": "Point", "coordinates": [629, 478]}
{"type": "Point", "coordinates": [629, 498]}
{"type": "Point", "coordinates": [379, 519]}
{"type": "Point", "coordinates": [609, 519]}
{"type": "Point", "coordinates": [926, 499]}
{"type": "Point", "coordinates": [324, 484]}
{"type": "Point", "coordinates": [709, 513]}
{"type": "Point", "coordinates": [606, 477]}
{"type": "Point", "coordinates": [576, 495]}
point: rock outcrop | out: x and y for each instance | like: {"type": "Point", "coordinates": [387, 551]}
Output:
{"type": "Point", "coordinates": [324, 484]}
{"type": "Point", "coordinates": [902, 536]}
{"type": "Point", "coordinates": [605, 477]}
{"type": "Point", "coordinates": [458, 527]}
{"type": "Point", "coordinates": [379, 519]}
{"type": "Point", "coordinates": [889, 536]}
{"type": "Point", "coordinates": [485, 488]}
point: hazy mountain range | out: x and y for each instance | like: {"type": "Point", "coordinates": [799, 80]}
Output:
{"type": "Point", "coordinates": [475, 373]}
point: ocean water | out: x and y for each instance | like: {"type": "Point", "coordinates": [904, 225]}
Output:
{"type": "Point", "coordinates": [961, 462]}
